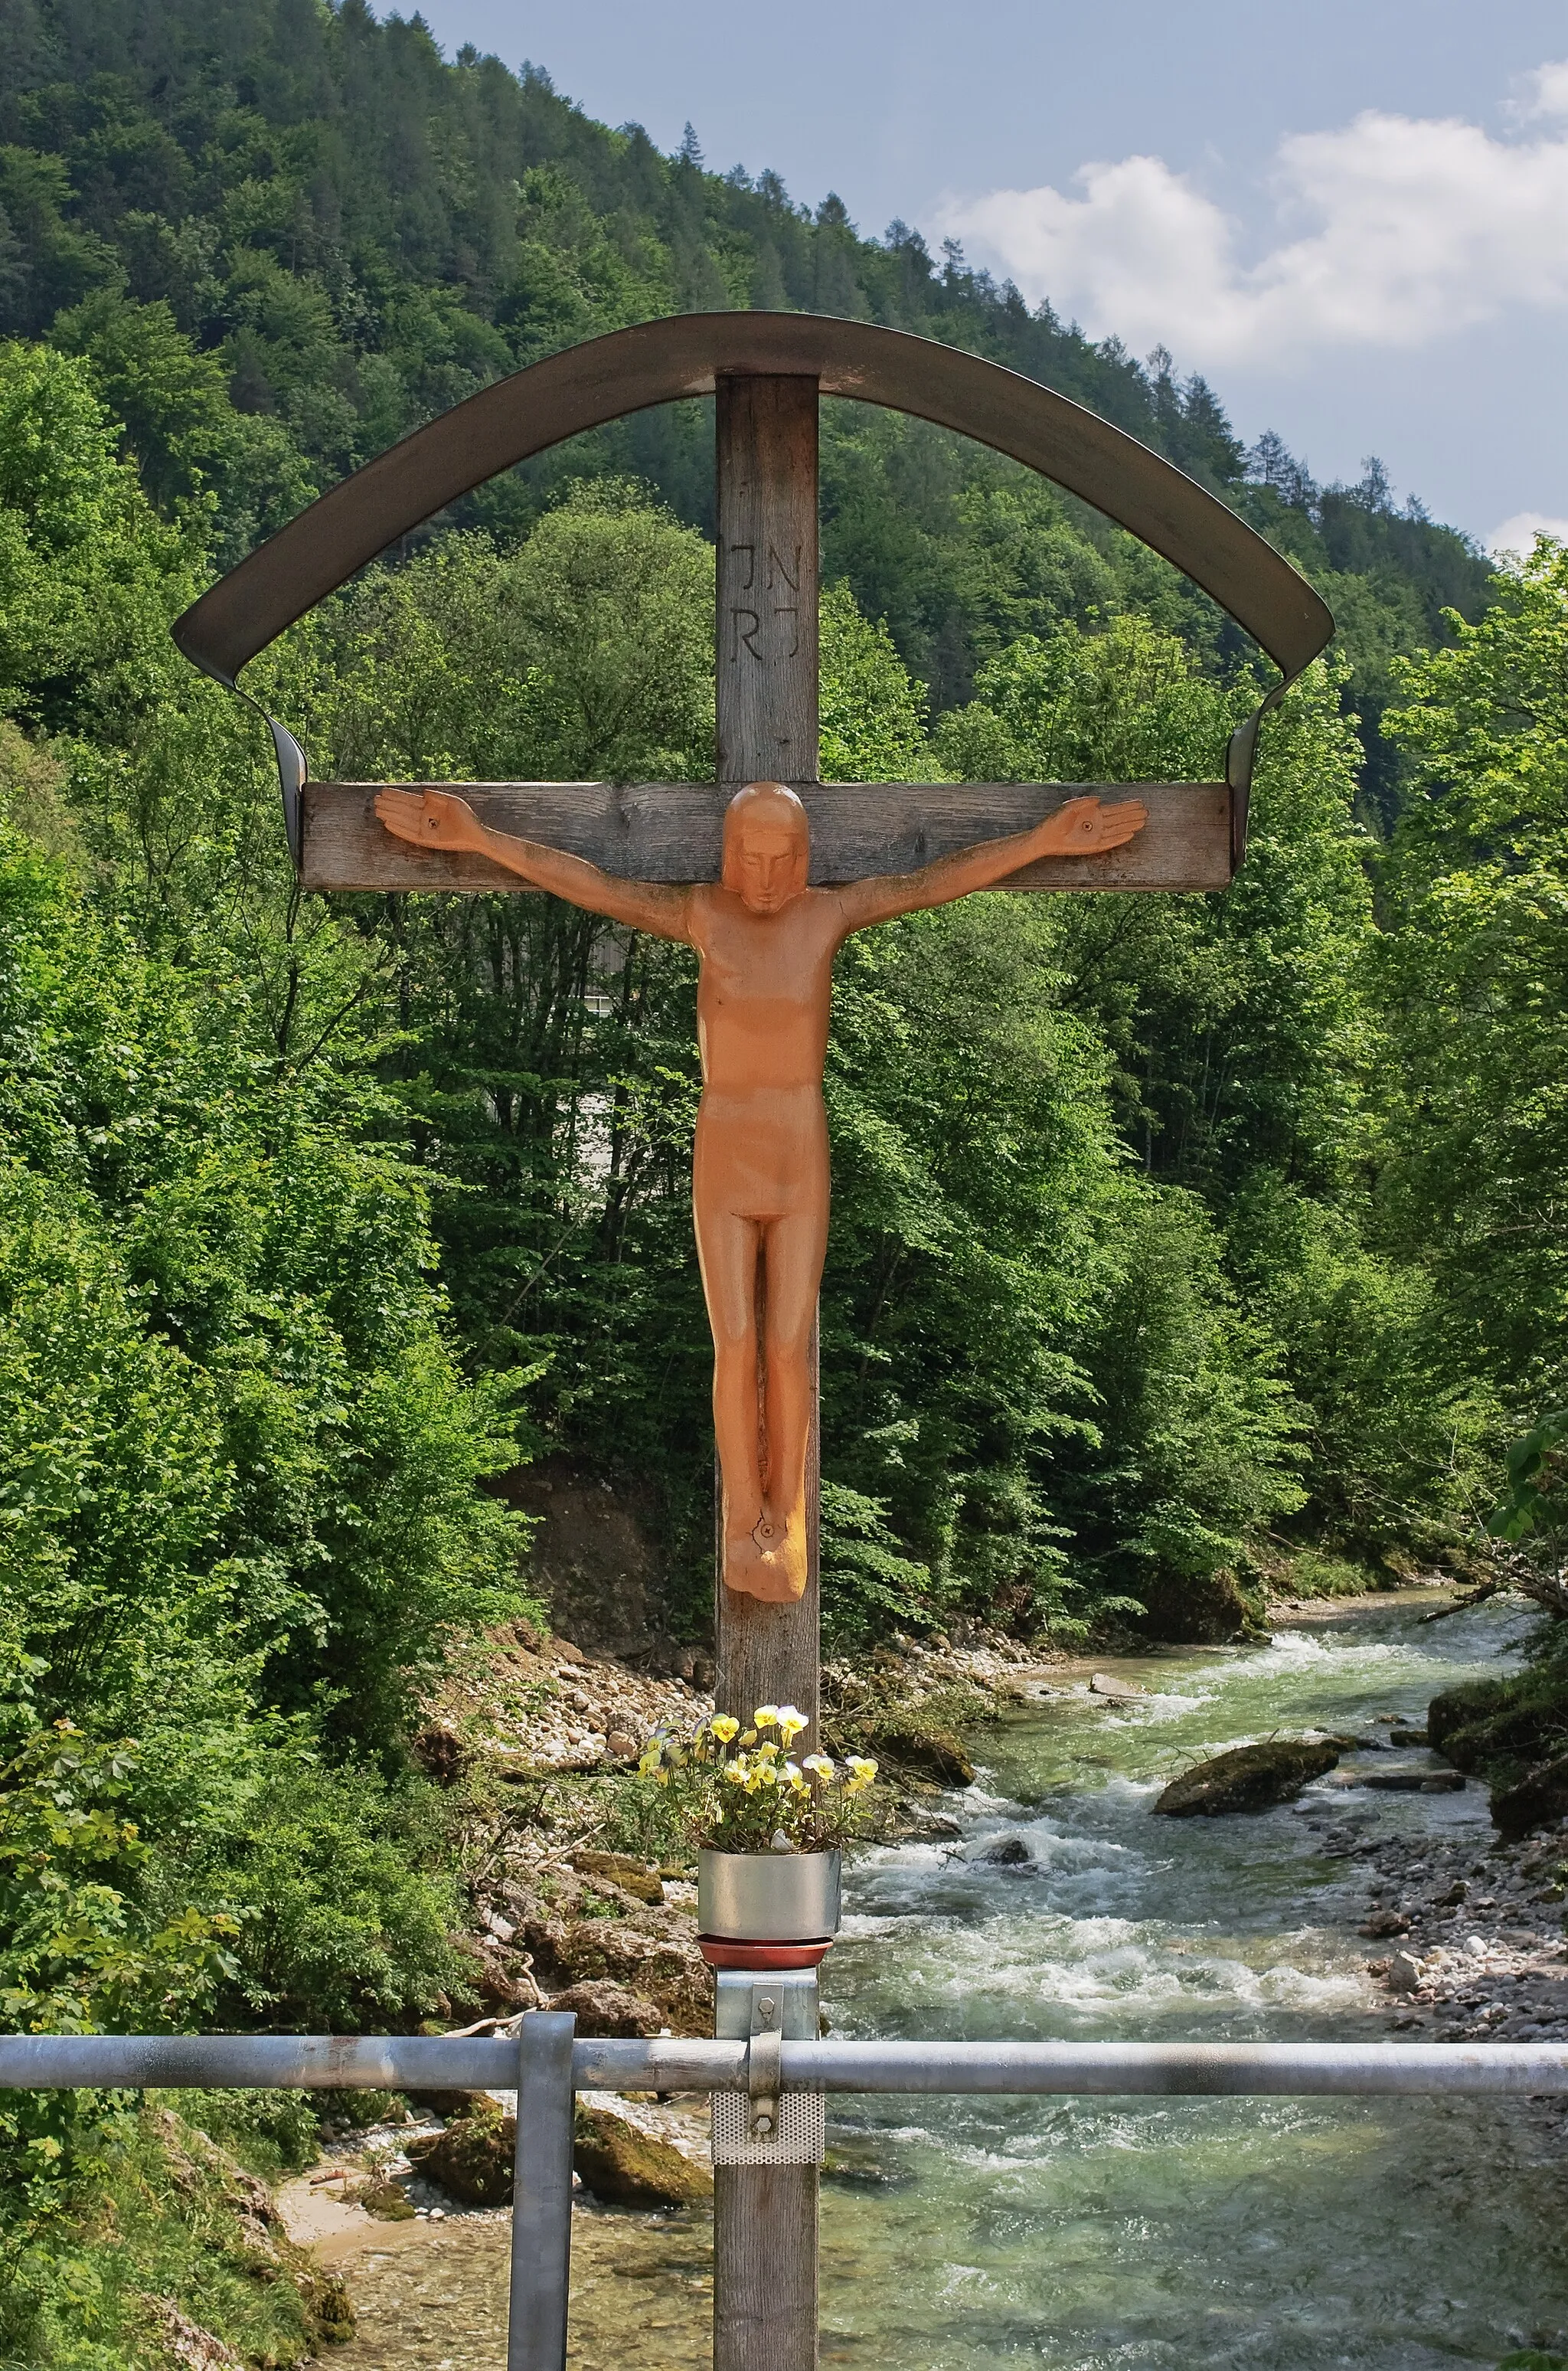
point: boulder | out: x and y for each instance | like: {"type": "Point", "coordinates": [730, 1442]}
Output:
{"type": "Point", "coordinates": [472, 2158]}
{"type": "Point", "coordinates": [1464, 1706]}
{"type": "Point", "coordinates": [627, 2167]}
{"type": "Point", "coordinates": [1118, 1691]}
{"type": "Point", "coordinates": [1404, 1973]}
{"type": "Point", "coordinates": [607, 2012]}
{"type": "Point", "coordinates": [1401, 1734]}
{"type": "Point", "coordinates": [1208, 1609]}
{"type": "Point", "coordinates": [1397, 1782]}
{"type": "Point", "coordinates": [448, 2104]}
{"type": "Point", "coordinates": [935, 1752]}
{"type": "Point", "coordinates": [662, 1962]}
{"type": "Point", "coordinates": [387, 2201]}
{"type": "Point", "coordinates": [634, 1877]}
{"type": "Point", "coordinates": [489, 1976]}
{"type": "Point", "coordinates": [1009, 1852]}
{"type": "Point", "coordinates": [1248, 1778]}
{"type": "Point", "coordinates": [186, 2342]}
{"type": "Point", "coordinates": [1538, 1798]}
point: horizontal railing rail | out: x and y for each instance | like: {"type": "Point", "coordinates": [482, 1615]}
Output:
{"type": "Point", "coordinates": [421, 2063]}
{"type": "Point", "coordinates": [547, 2066]}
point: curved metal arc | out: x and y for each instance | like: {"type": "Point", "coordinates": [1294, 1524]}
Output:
{"type": "Point", "coordinates": [662, 362]}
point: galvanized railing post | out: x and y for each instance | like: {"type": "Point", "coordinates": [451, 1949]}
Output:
{"type": "Point", "coordinates": [541, 2195]}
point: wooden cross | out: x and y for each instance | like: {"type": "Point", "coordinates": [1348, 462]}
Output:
{"type": "Point", "coordinates": [768, 372]}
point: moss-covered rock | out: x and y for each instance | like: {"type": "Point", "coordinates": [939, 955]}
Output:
{"type": "Point", "coordinates": [634, 1877]}
{"type": "Point", "coordinates": [932, 1752]}
{"type": "Point", "coordinates": [1512, 1734]}
{"type": "Point", "coordinates": [654, 1957]}
{"type": "Point", "coordinates": [1248, 1778]}
{"type": "Point", "coordinates": [627, 2167]}
{"type": "Point", "coordinates": [387, 2201]}
{"type": "Point", "coordinates": [1536, 1800]}
{"type": "Point", "coordinates": [607, 2012]}
{"type": "Point", "coordinates": [472, 2158]}
{"type": "Point", "coordinates": [1190, 1609]}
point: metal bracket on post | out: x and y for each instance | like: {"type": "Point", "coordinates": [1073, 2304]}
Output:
{"type": "Point", "coordinates": [541, 2194]}
{"type": "Point", "coordinates": [765, 2064]}
{"type": "Point", "coordinates": [766, 2124]}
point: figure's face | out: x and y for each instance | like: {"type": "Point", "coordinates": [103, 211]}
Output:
{"type": "Point", "coordinates": [765, 861]}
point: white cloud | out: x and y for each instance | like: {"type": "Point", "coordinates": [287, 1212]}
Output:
{"type": "Point", "coordinates": [1549, 91]}
{"type": "Point", "coordinates": [1517, 535]}
{"type": "Point", "coordinates": [1410, 230]}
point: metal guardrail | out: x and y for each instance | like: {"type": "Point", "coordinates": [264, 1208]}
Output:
{"type": "Point", "coordinates": [445, 2063]}
{"type": "Point", "coordinates": [547, 2066]}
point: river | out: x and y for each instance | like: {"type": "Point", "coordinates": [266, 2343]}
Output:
{"type": "Point", "coordinates": [1111, 2235]}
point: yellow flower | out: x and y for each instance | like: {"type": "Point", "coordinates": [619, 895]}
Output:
{"type": "Point", "coordinates": [820, 1763]}
{"type": "Point", "coordinates": [649, 1761]}
{"type": "Point", "coordinates": [792, 1720]}
{"type": "Point", "coordinates": [723, 1727]}
{"type": "Point", "coordinates": [766, 1715]}
{"type": "Point", "coordinates": [768, 1750]}
{"type": "Point", "coordinates": [766, 1774]}
{"type": "Point", "coordinates": [863, 1767]}
{"type": "Point", "coordinates": [735, 1772]}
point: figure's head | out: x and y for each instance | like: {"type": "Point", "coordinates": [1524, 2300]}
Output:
{"type": "Point", "coordinates": [767, 846]}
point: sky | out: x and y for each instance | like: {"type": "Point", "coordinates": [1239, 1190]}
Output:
{"type": "Point", "coordinates": [1352, 218]}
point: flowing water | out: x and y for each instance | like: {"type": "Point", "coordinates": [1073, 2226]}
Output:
{"type": "Point", "coordinates": [1088, 2234]}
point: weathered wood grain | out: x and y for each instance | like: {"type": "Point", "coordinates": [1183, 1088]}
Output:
{"type": "Point", "coordinates": [765, 2268]}
{"type": "Point", "coordinates": [764, 2220]}
{"type": "Point", "coordinates": [671, 831]}
{"type": "Point", "coordinates": [766, 618]}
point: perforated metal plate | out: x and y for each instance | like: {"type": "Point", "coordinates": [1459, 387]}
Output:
{"type": "Point", "coordinates": [801, 2138]}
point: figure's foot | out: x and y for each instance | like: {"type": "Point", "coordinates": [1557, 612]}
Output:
{"type": "Point", "coordinates": [782, 1546]}
{"type": "Point", "coordinates": [768, 1564]}
{"type": "Point", "coordinates": [743, 1568]}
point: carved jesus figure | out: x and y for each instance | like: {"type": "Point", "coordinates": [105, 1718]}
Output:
{"type": "Point", "coordinates": [766, 942]}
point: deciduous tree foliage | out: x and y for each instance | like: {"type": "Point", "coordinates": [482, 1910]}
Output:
{"type": "Point", "coordinates": [1172, 1236]}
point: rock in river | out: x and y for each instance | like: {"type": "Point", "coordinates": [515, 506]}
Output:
{"type": "Point", "coordinates": [627, 2167]}
{"type": "Point", "coordinates": [472, 2158]}
{"type": "Point", "coordinates": [1537, 1799]}
{"type": "Point", "coordinates": [1009, 1852]}
{"type": "Point", "coordinates": [1248, 1778]}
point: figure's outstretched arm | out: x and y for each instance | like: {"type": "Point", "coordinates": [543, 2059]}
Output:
{"type": "Point", "coordinates": [438, 819]}
{"type": "Point", "coordinates": [1082, 827]}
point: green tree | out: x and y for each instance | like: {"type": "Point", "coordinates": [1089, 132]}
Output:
{"type": "Point", "coordinates": [1474, 1115]}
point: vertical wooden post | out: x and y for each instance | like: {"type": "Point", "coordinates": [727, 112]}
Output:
{"type": "Point", "coordinates": [765, 2219]}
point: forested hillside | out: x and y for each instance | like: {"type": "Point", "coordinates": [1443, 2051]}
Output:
{"type": "Point", "coordinates": [1177, 1242]}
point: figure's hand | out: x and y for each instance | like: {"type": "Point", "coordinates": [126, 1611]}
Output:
{"type": "Point", "coordinates": [431, 819]}
{"type": "Point", "coordinates": [1086, 827]}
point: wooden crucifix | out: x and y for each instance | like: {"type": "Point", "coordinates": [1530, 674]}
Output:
{"type": "Point", "coordinates": [765, 871]}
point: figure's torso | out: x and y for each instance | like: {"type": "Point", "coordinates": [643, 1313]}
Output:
{"type": "Point", "coordinates": [765, 992]}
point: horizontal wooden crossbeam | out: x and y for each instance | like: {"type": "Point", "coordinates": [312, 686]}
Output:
{"type": "Point", "coordinates": [672, 832]}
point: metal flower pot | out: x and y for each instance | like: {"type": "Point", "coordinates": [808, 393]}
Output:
{"type": "Point", "coordinates": [768, 1897]}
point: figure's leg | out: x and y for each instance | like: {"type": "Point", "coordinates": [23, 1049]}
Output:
{"type": "Point", "coordinates": [794, 1249]}
{"type": "Point", "coordinates": [727, 1249]}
